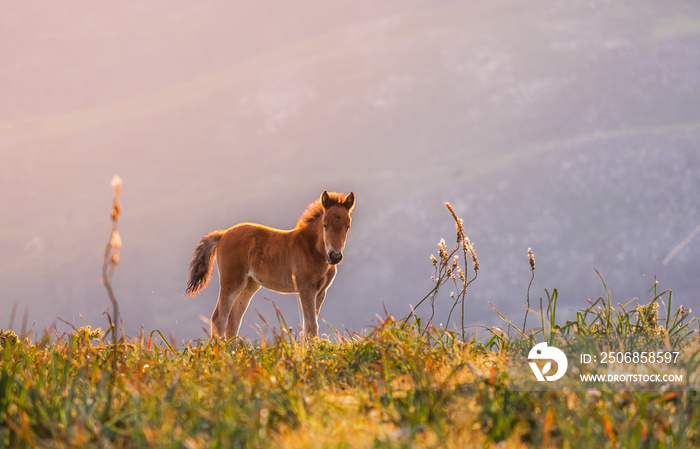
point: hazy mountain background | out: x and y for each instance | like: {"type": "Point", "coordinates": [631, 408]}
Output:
{"type": "Point", "coordinates": [572, 127]}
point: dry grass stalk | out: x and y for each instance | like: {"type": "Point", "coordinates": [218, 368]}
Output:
{"type": "Point", "coordinates": [111, 258]}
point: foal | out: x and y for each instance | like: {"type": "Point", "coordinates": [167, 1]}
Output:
{"type": "Point", "coordinates": [249, 256]}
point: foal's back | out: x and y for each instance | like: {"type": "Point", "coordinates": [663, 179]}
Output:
{"type": "Point", "coordinates": [260, 252]}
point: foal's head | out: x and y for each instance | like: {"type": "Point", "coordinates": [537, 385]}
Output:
{"type": "Point", "coordinates": [336, 223]}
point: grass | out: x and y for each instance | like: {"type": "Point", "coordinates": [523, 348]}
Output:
{"type": "Point", "coordinates": [404, 383]}
{"type": "Point", "coordinates": [396, 386]}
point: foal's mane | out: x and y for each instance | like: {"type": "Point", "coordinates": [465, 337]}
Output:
{"type": "Point", "coordinates": [314, 210]}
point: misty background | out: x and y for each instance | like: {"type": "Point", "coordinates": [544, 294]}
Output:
{"type": "Point", "coordinates": [572, 127]}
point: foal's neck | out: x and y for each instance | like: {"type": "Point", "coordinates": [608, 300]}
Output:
{"type": "Point", "coordinates": [312, 233]}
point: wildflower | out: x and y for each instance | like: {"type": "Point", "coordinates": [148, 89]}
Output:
{"type": "Point", "coordinates": [531, 259]}
{"type": "Point", "coordinates": [647, 316]}
{"type": "Point", "coordinates": [88, 333]}
{"type": "Point", "coordinates": [8, 338]}
{"type": "Point", "coordinates": [264, 416]}
{"type": "Point", "coordinates": [433, 260]}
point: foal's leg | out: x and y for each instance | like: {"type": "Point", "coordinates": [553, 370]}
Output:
{"type": "Point", "coordinates": [240, 305]}
{"type": "Point", "coordinates": [321, 296]}
{"type": "Point", "coordinates": [307, 298]}
{"type": "Point", "coordinates": [228, 292]}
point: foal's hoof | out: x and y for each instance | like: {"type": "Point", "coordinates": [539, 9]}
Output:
{"type": "Point", "coordinates": [308, 336]}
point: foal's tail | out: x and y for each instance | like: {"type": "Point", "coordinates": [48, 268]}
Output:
{"type": "Point", "coordinates": [203, 262]}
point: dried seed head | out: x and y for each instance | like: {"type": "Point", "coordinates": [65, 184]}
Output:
{"type": "Point", "coordinates": [531, 259]}
{"type": "Point", "coordinates": [116, 207]}
{"type": "Point", "coordinates": [472, 252]}
{"type": "Point", "coordinates": [116, 182]}
{"type": "Point", "coordinates": [685, 311]}
{"type": "Point", "coordinates": [459, 223]}
{"type": "Point", "coordinates": [433, 260]}
{"type": "Point", "coordinates": [115, 241]}
{"type": "Point", "coordinates": [462, 277]}
{"type": "Point", "coordinates": [442, 250]}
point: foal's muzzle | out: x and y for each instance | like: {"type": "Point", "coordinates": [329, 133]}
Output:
{"type": "Point", "coordinates": [334, 257]}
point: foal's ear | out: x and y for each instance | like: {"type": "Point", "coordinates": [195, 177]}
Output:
{"type": "Point", "coordinates": [325, 200]}
{"type": "Point", "coordinates": [349, 202]}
